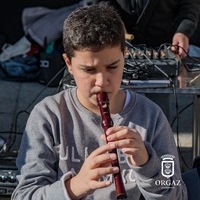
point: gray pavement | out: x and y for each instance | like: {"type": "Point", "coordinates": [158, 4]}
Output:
{"type": "Point", "coordinates": [16, 101]}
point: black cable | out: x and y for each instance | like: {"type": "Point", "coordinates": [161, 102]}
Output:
{"type": "Point", "coordinates": [176, 118]}
{"type": "Point", "coordinates": [45, 87]}
{"type": "Point", "coordinates": [182, 110]}
{"type": "Point", "coordinates": [177, 130]}
{"type": "Point", "coordinates": [12, 137]}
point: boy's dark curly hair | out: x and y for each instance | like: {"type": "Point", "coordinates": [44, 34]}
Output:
{"type": "Point", "coordinates": [93, 28]}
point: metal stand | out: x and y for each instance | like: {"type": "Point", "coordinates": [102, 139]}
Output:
{"type": "Point", "coordinates": [196, 126]}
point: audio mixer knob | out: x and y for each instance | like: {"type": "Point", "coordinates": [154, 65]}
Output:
{"type": "Point", "coordinates": [11, 178]}
{"type": "Point", "coordinates": [3, 178]}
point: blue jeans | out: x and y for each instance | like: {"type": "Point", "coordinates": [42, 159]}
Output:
{"type": "Point", "coordinates": [194, 51]}
{"type": "Point", "coordinates": [192, 182]}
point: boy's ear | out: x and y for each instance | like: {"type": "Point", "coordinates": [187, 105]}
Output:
{"type": "Point", "coordinates": [67, 62]}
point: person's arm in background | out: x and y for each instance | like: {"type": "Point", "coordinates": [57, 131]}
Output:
{"type": "Point", "coordinates": [186, 23]}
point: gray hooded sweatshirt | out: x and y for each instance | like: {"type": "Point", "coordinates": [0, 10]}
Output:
{"type": "Point", "coordinates": [61, 133]}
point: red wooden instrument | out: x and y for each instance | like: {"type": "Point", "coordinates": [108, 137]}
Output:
{"type": "Point", "coordinates": [103, 103]}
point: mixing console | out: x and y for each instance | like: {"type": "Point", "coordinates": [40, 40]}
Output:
{"type": "Point", "coordinates": [150, 63]}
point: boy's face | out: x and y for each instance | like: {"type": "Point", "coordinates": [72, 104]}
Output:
{"type": "Point", "coordinates": [96, 71]}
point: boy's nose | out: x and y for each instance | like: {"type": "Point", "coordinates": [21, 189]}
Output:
{"type": "Point", "coordinates": [101, 79]}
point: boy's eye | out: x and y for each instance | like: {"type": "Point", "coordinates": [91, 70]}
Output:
{"type": "Point", "coordinates": [94, 70]}
{"type": "Point", "coordinates": [89, 70]}
{"type": "Point", "coordinates": [112, 67]}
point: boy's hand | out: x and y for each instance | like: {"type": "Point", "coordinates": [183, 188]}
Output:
{"type": "Point", "coordinates": [96, 165]}
{"type": "Point", "coordinates": [130, 142]}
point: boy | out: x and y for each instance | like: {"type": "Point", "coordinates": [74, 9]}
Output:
{"type": "Point", "coordinates": [63, 154]}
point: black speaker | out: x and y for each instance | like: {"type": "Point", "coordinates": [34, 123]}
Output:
{"type": "Point", "coordinates": [51, 66]}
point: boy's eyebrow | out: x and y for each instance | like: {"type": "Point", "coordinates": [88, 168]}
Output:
{"type": "Point", "coordinates": [114, 63]}
{"type": "Point", "coordinates": [110, 64]}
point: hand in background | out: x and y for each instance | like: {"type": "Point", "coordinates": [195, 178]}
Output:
{"type": "Point", "coordinates": [180, 44]}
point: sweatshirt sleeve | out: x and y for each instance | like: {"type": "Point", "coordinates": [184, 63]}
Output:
{"type": "Point", "coordinates": [188, 16]}
{"type": "Point", "coordinates": [151, 178]}
{"type": "Point", "coordinates": [37, 162]}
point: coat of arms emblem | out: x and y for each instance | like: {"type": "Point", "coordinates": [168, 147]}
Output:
{"type": "Point", "coordinates": [167, 165]}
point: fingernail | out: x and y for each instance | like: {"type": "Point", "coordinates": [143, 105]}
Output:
{"type": "Point", "coordinates": [115, 169]}
{"type": "Point", "coordinates": [112, 144]}
{"type": "Point", "coordinates": [113, 156]}
{"type": "Point", "coordinates": [109, 138]}
{"type": "Point", "coordinates": [108, 183]}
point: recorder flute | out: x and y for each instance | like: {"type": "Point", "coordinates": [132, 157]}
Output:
{"type": "Point", "coordinates": [103, 103]}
